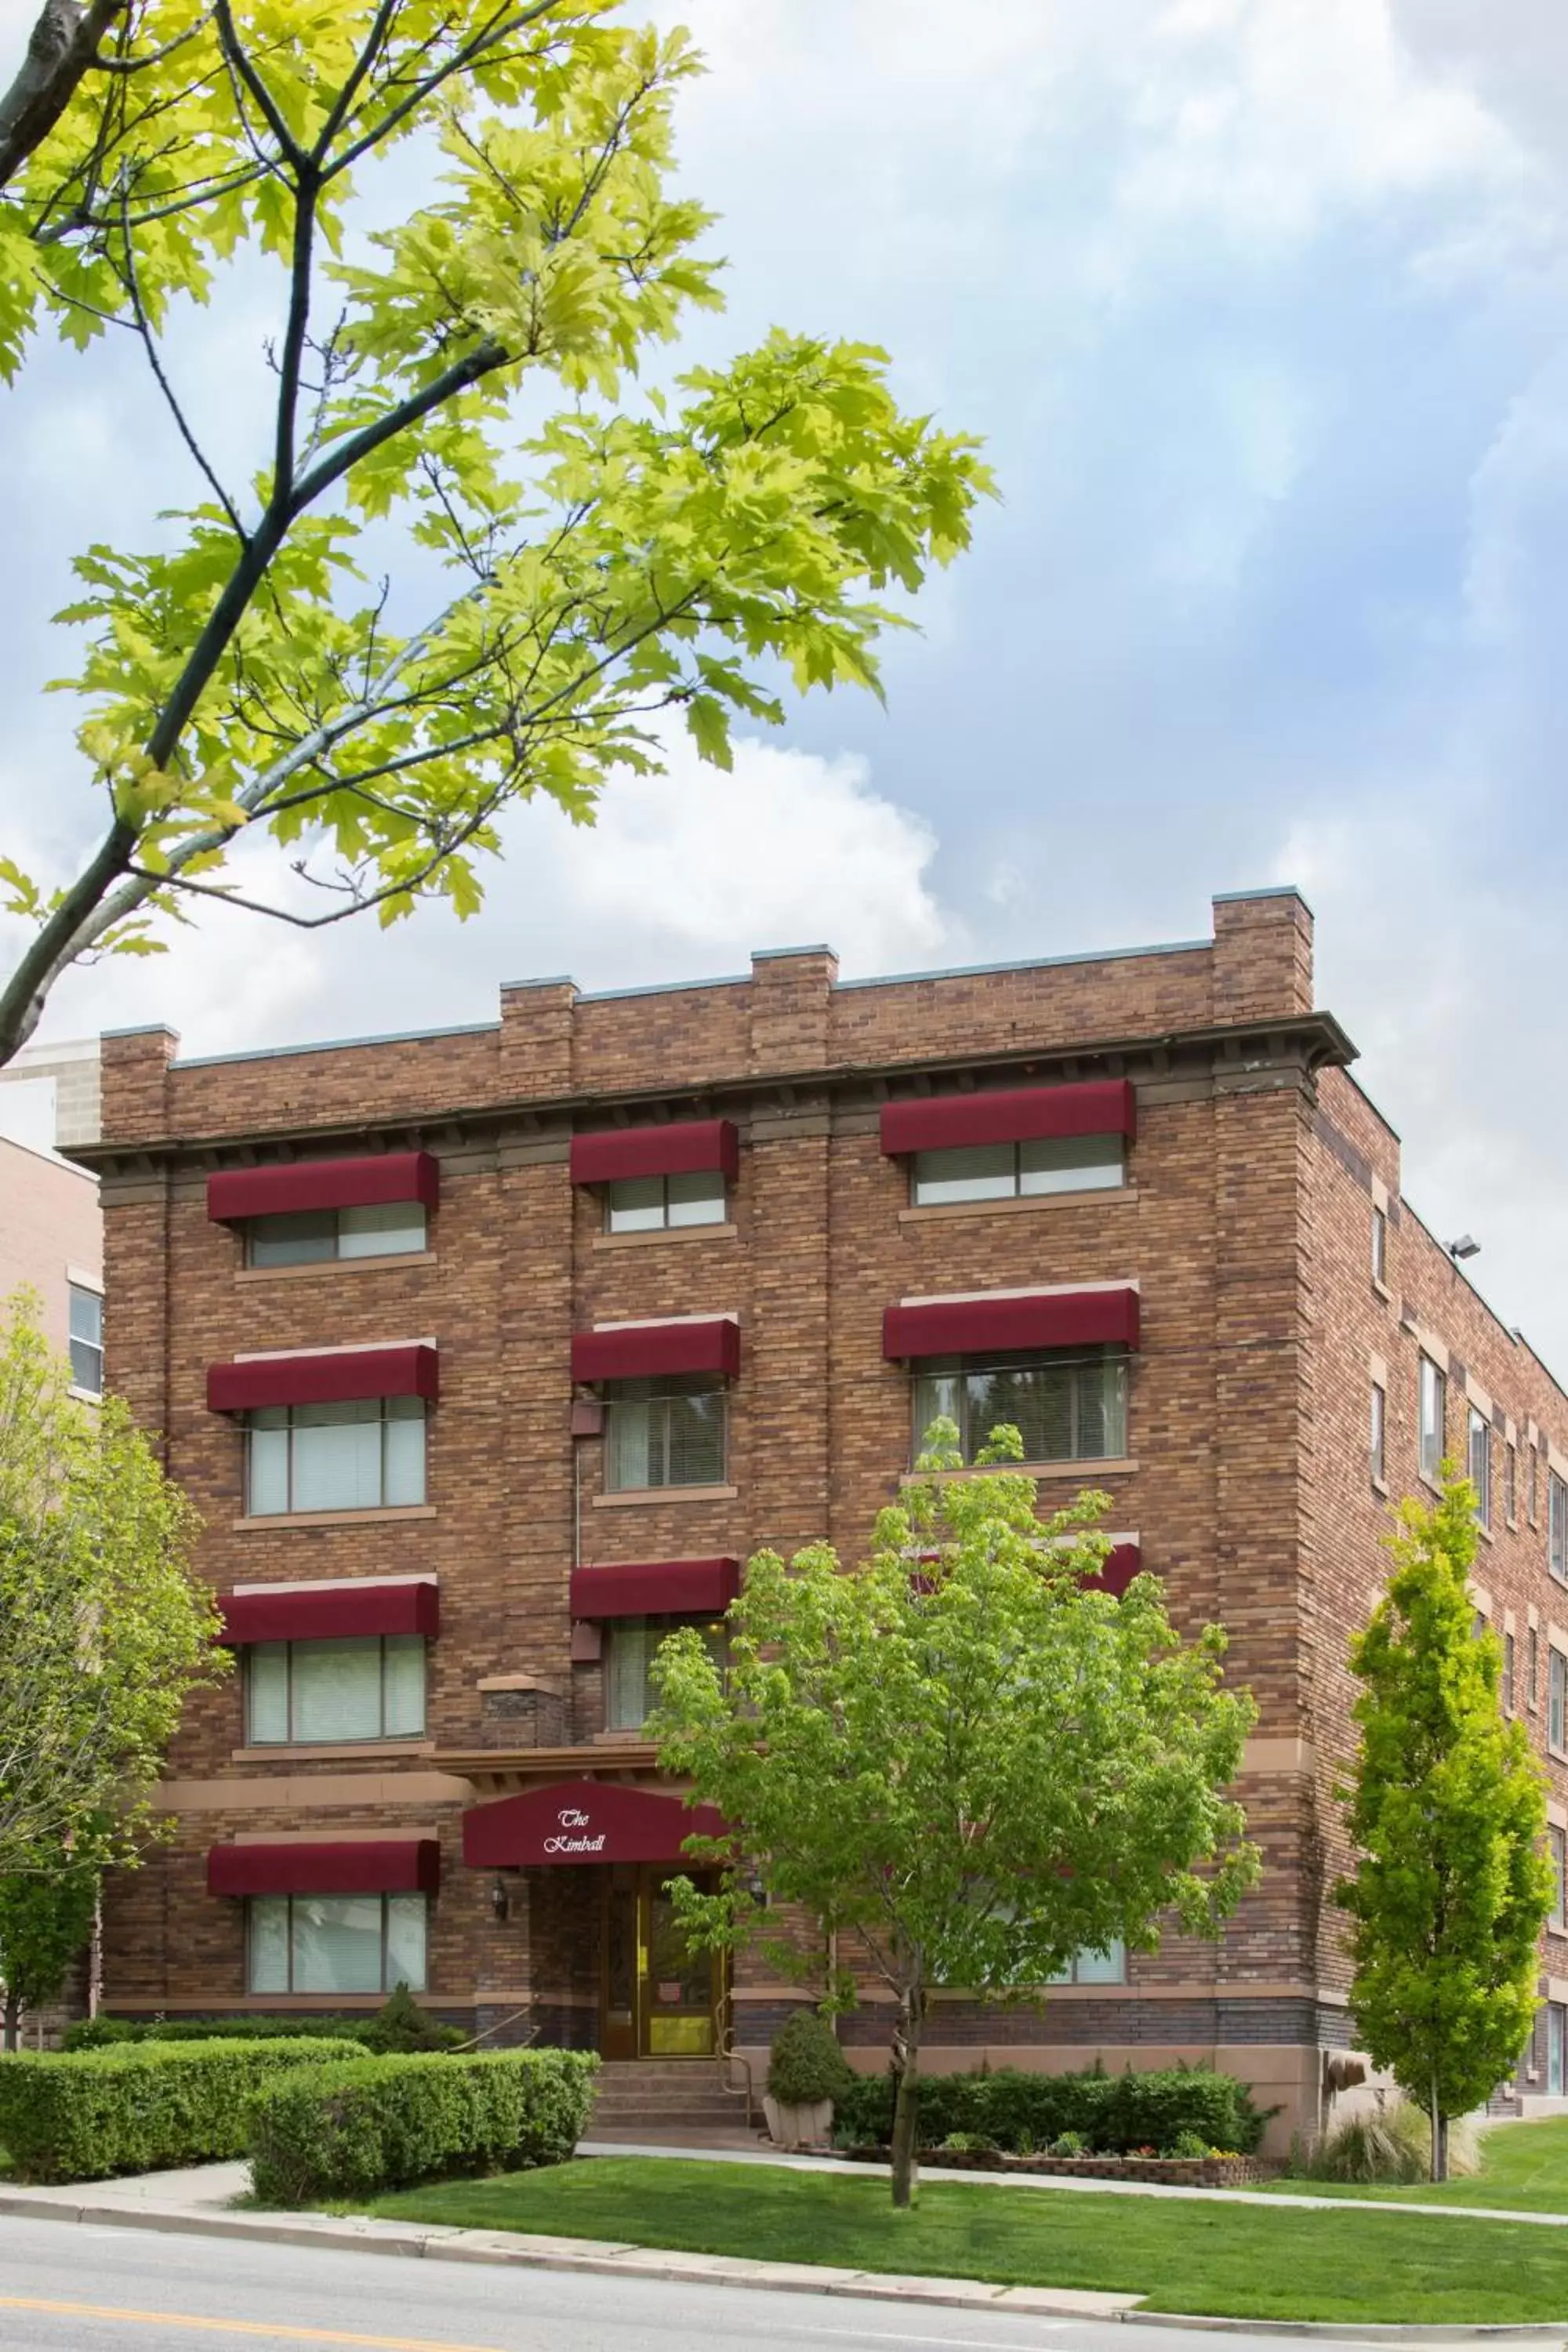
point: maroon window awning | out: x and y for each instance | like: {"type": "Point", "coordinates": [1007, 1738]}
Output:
{"type": "Point", "coordinates": [1018, 1115]}
{"type": "Point", "coordinates": [341, 1376]}
{"type": "Point", "coordinates": [657, 1588]}
{"type": "Point", "coordinates": [633, 1351]}
{"type": "Point", "coordinates": [235, 1193]}
{"type": "Point", "coordinates": [583, 1821]}
{"type": "Point", "coordinates": [331, 1612]}
{"type": "Point", "coordinates": [1123, 1562]}
{"type": "Point", "coordinates": [357, 1866]}
{"type": "Point", "coordinates": [688, 1147]}
{"type": "Point", "coordinates": [1006, 1321]}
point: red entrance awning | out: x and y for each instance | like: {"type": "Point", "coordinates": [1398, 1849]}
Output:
{"type": "Point", "coordinates": [338, 1376]}
{"type": "Point", "coordinates": [1017, 1115]}
{"type": "Point", "coordinates": [235, 1193]}
{"type": "Point", "coordinates": [687, 1146]}
{"type": "Point", "coordinates": [331, 1612]}
{"type": "Point", "coordinates": [632, 1351]}
{"type": "Point", "coordinates": [583, 1821]}
{"type": "Point", "coordinates": [360, 1866]}
{"type": "Point", "coordinates": [657, 1588]}
{"type": "Point", "coordinates": [1009, 1320]}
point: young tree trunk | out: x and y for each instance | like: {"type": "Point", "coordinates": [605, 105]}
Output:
{"type": "Point", "coordinates": [907, 2096]}
{"type": "Point", "coordinates": [13, 2015]}
{"type": "Point", "coordinates": [1439, 2138]}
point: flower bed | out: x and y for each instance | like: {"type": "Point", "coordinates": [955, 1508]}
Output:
{"type": "Point", "coordinates": [1173, 2172]}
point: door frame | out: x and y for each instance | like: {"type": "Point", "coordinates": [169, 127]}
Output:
{"type": "Point", "coordinates": [618, 2040]}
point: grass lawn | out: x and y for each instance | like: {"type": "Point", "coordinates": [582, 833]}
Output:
{"type": "Point", "coordinates": [1187, 2255]}
{"type": "Point", "coordinates": [1523, 2167]}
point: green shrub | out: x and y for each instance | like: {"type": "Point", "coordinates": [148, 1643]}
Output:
{"type": "Point", "coordinates": [400, 2027]}
{"type": "Point", "coordinates": [1069, 2143]}
{"type": "Point", "coordinates": [1188, 2144]}
{"type": "Point", "coordinates": [353, 2129]}
{"type": "Point", "coordinates": [367, 2032]}
{"type": "Point", "coordinates": [1110, 2113]}
{"type": "Point", "coordinates": [1391, 2142]}
{"type": "Point", "coordinates": [138, 2107]}
{"type": "Point", "coordinates": [805, 2064]}
{"type": "Point", "coordinates": [98, 2032]}
{"type": "Point", "coordinates": [967, 2144]}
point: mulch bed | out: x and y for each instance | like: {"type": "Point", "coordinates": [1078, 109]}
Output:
{"type": "Point", "coordinates": [1179, 2171]}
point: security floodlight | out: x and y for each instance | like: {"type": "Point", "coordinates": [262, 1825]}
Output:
{"type": "Point", "coordinates": [1465, 1246]}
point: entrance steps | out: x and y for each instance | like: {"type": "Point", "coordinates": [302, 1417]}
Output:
{"type": "Point", "coordinates": [656, 2098]}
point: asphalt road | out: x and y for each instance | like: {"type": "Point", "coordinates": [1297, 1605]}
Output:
{"type": "Point", "coordinates": [71, 2287]}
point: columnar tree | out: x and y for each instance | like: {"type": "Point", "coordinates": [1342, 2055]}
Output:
{"type": "Point", "coordinates": [959, 1760]}
{"type": "Point", "coordinates": [1448, 1808]}
{"type": "Point", "coordinates": [424, 598]}
{"type": "Point", "coordinates": [104, 1625]}
{"type": "Point", "coordinates": [46, 1916]}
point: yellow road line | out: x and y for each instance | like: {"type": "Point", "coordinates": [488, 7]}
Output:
{"type": "Point", "coordinates": [283, 2333]}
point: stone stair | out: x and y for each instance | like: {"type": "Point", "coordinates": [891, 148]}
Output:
{"type": "Point", "coordinates": [666, 2098]}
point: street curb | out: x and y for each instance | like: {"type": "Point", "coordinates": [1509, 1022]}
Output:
{"type": "Point", "coordinates": [432, 2243]}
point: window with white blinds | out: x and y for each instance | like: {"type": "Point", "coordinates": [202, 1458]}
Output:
{"type": "Point", "coordinates": [664, 1433]}
{"type": "Point", "coordinates": [317, 1237]}
{"type": "Point", "coordinates": [361, 1456]}
{"type": "Point", "coordinates": [361, 1687]}
{"type": "Point", "coordinates": [335, 1943]}
{"type": "Point", "coordinates": [630, 1647]}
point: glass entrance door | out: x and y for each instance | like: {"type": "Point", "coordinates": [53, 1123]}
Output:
{"type": "Point", "coordinates": [659, 1996]}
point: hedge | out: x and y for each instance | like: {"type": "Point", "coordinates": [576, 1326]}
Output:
{"type": "Point", "coordinates": [1025, 2112]}
{"type": "Point", "coordinates": [82, 2116]}
{"type": "Point", "coordinates": [113, 2032]}
{"type": "Point", "coordinates": [353, 2129]}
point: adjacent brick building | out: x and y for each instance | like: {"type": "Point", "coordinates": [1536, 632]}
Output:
{"type": "Point", "coordinates": [485, 1354]}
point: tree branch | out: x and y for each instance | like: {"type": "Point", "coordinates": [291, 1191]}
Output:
{"type": "Point", "coordinates": [63, 47]}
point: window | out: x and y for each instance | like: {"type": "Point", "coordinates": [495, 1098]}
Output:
{"type": "Point", "coordinates": [1557, 1700]}
{"type": "Point", "coordinates": [359, 1689]}
{"type": "Point", "coordinates": [1433, 1400]}
{"type": "Point", "coordinates": [1556, 2015]}
{"type": "Point", "coordinates": [1379, 1429]}
{"type": "Point", "coordinates": [1065, 1408]}
{"type": "Point", "coordinates": [316, 1236]}
{"type": "Point", "coordinates": [631, 1644]}
{"type": "Point", "coordinates": [1480, 1465]}
{"type": "Point", "coordinates": [1380, 1246]}
{"type": "Point", "coordinates": [1557, 1848]}
{"type": "Point", "coordinates": [335, 1943]}
{"type": "Point", "coordinates": [1534, 1488]}
{"type": "Point", "coordinates": [1533, 1669]}
{"type": "Point", "coordinates": [335, 1457]}
{"type": "Point", "coordinates": [664, 1433]}
{"type": "Point", "coordinates": [1557, 1527]}
{"type": "Point", "coordinates": [1507, 1673]}
{"type": "Point", "coordinates": [1011, 1172]}
{"type": "Point", "coordinates": [1109, 1967]}
{"type": "Point", "coordinates": [1510, 1482]}
{"type": "Point", "coordinates": [87, 1339]}
{"type": "Point", "coordinates": [651, 1204]}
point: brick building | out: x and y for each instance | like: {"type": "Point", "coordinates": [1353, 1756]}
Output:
{"type": "Point", "coordinates": [485, 1355]}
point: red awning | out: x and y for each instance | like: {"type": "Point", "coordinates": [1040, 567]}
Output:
{"type": "Point", "coordinates": [342, 1376]}
{"type": "Point", "coordinates": [329, 1613]}
{"type": "Point", "coordinates": [581, 1822]}
{"type": "Point", "coordinates": [1123, 1565]}
{"type": "Point", "coordinates": [284, 1189]}
{"type": "Point", "coordinates": [657, 1588]}
{"type": "Point", "coordinates": [1018, 1115]}
{"type": "Point", "coordinates": [1038, 1318]}
{"type": "Point", "coordinates": [361, 1866]}
{"type": "Point", "coordinates": [632, 1351]}
{"type": "Point", "coordinates": [687, 1146]}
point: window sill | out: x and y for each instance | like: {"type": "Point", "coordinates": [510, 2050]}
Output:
{"type": "Point", "coordinates": [1084, 1471]}
{"type": "Point", "coordinates": [665, 1234]}
{"type": "Point", "coordinates": [331, 1267]}
{"type": "Point", "coordinates": [665, 1495]}
{"type": "Point", "coordinates": [1379, 1486]}
{"type": "Point", "coordinates": [1382, 1290]}
{"type": "Point", "coordinates": [390, 1514]}
{"type": "Point", "coordinates": [85, 1396]}
{"type": "Point", "coordinates": [1487, 1534]}
{"type": "Point", "coordinates": [1557, 1926]}
{"type": "Point", "coordinates": [937, 1211]}
{"type": "Point", "coordinates": [1430, 1483]}
{"type": "Point", "coordinates": [342, 1751]}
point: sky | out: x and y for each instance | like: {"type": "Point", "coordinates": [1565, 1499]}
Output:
{"type": "Point", "coordinates": [1259, 307]}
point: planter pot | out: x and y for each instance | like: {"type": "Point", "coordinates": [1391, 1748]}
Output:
{"type": "Point", "coordinates": [809, 2126]}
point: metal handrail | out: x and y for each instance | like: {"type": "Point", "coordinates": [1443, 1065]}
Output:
{"type": "Point", "coordinates": [728, 2055]}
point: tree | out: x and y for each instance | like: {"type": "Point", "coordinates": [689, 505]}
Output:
{"type": "Point", "coordinates": [434, 599]}
{"type": "Point", "coordinates": [1448, 1808]}
{"type": "Point", "coordinates": [104, 1626]}
{"type": "Point", "coordinates": [960, 1762]}
{"type": "Point", "coordinates": [46, 1916]}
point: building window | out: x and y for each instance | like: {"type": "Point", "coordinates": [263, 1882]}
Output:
{"type": "Point", "coordinates": [652, 1205]}
{"type": "Point", "coordinates": [1533, 1669]}
{"type": "Point", "coordinates": [368, 1687]}
{"type": "Point", "coordinates": [1070, 1408]}
{"type": "Point", "coordinates": [1380, 1247]}
{"type": "Point", "coordinates": [1433, 1402]}
{"type": "Point", "coordinates": [335, 1943]}
{"type": "Point", "coordinates": [664, 1433]}
{"type": "Point", "coordinates": [1557, 1527]}
{"type": "Point", "coordinates": [1534, 1483]}
{"type": "Point", "coordinates": [1510, 1482]}
{"type": "Point", "coordinates": [1013, 1171]}
{"type": "Point", "coordinates": [1479, 1449]}
{"type": "Point", "coordinates": [1507, 1673]}
{"type": "Point", "coordinates": [631, 1644]}
{"type": "Point", "coordinates": [1556, 2017]}
{"type": "Point", "coordinates": [364, 1456]}
{"type": "Point", "coordinates": [1379, 1433]}
{"type": "Point", "coordinates": [317, 1237]}
{"type": "Point", "coordinates": [1557, 1847]}
{"type": "Point", "coordinates": [1109, 1967]}
{"type": "Point", "coordinates": [1557, 1700]}
{"type": "Point", "coordinates": [87, 1339]}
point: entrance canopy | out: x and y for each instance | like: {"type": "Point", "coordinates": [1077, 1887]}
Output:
{"type": "Point", "coordinates": [582, 1821]}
